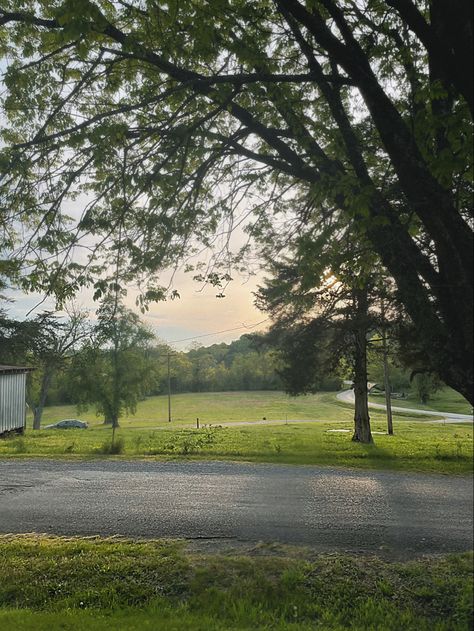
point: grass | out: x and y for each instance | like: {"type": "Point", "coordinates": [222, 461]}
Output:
{"type": "Point", "coordinates": [416, 446]}
{"type": "Point", "coordinates": [445, 400]}
{"type": "Point", "coordinates": [219, 407]}
{"type": "Point", "coordinates": [49, 583]}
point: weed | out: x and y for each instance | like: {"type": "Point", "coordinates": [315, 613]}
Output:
{"type": "Point", "coordinates": [137, 442]}
{"type": "Point", "coordinates": [19, 446]}
{"type": "Point", "coordinates": [112, 448]}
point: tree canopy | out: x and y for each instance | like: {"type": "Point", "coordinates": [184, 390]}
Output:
{"type": "Point", "coordinates": [163, 120]}
{"type": "Point", "coordinates": [113, 369]}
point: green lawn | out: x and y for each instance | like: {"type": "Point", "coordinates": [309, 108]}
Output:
{"type": "Point", "coordinates": [49, 583]}
{"type": "Point", "coordinates": [445, 400]}
{"type": "Point", "coordinates": [219, 407]}
{"type": "Point", "coordinates": [416, 446]}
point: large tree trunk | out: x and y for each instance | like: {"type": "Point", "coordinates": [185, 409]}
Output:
{"type": "Point", "coordinates": [38, 409]}
{"type": "Point", "coordinates": [362, 433]}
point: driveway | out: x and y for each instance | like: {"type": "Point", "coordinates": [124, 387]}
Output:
{"type": "Point", "coordinates": [396, 514]}
{"type": "Point", "coordinates": [445, 417]}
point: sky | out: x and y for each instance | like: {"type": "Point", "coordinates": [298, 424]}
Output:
{"type": "Point", "coordinates": [198, 316]}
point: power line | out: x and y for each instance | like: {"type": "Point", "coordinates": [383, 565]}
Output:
{"type": "Point", "coordinates": [237, 328]}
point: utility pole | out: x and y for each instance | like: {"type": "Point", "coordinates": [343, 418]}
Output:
{"type": "Point", "coordinates": [169, 388]}
{"type": "Point", "coordinates": [388, 400]}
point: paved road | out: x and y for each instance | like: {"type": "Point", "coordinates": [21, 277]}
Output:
{"type": "Point", "coordinates": [330, 509]}
{"type": "Point", "coordinates": [445, 417]}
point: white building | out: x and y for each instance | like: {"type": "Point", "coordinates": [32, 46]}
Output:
{"type": "Point", "coordinates": [13, 398]}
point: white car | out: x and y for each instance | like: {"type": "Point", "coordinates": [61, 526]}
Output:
{"type": "Point", "coordinates": [67, 423]}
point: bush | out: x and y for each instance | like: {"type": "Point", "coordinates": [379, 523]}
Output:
{"type": "Point", "coordinates": [330, 384]}
{"type": "Point", "coordinates": [112, 448]}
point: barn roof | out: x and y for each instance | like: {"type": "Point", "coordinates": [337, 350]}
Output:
{"type": "Point", "coordinates": [14, 369]}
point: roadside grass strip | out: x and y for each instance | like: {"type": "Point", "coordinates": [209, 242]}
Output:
{"type": "Point", "coordinates": [416, 446]}
{"type": "Point", "coordinates": [49, 583]}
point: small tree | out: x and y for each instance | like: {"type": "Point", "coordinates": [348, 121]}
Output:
{"type": "Point", "coordinates": [113, 370]}
{"type": "Point", "coordinates": [55, 344]}
{"type": "Point", "coordinates": [425, 386]}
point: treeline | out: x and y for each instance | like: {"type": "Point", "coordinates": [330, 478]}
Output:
{"type": "Point", "coordinates": [245, 364]}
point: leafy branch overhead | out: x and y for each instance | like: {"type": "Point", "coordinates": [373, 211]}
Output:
{"type": "Point", "coordinates": [224, 113]}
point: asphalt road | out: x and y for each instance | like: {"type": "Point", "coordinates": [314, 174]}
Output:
{"type": "Point", "coordinates": [397, 514]}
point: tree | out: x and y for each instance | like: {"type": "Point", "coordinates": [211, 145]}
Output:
{"type": "Point", "coordinates": [321, 315]}
{"type": "Point", "coordinates": [334, 290]}
{"type": "Point", "coordinates": [15, 338]}
{"type": "Point", "coordinates": [365, 106]}
{"type": "Point", "coordinates": [425, 386]}
{"type": "Point", "coordinates": [113, 370]}
{"type": "Point", "coordinates": [53, 347]}
{"type": "Point", "coordinates": [48, 343]}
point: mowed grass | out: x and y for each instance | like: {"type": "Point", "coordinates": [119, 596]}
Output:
{"type": "Point", "coordinates": [445, 400]}
{"type": "Point", "coordinates": [218, 407]}
{"type": "Point", "coordinates": [49, 583]}
{"type": "Point", "coordinates": [416, 446]}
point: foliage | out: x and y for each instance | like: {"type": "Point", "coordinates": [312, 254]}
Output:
{"type": "Point", "coordinates": [112, 448]}
{"type": "Point", "coordinates": [362, 110]}
{"type": "Point", "coordinates": [398, 374]}
{"type": "Point", "coordinates": [241, 365]}
{"type": "Point", "coordinates": [113, 370]}
{"type": "Point", "coordinates": [425, 386]}
{"type": "Point", "coordinates": [321, 300]}
{"type": "Point", "coordinates": [16, 338]}
{"type": "Point", "coordinates": [47, 343]}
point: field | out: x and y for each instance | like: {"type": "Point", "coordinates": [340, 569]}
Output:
{"type": "Point", "coordinates": [92, 584]}
{"type": "Point", "coordinates": [220, 407]}
{"type": "Point", "coordinates": [416, 445]}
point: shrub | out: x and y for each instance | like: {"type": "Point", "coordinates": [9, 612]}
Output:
{"type": "Point", "coordinates": [112, 448]}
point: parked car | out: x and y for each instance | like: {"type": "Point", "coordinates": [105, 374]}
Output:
{"type": "Point", "coordinates": [67, 423]}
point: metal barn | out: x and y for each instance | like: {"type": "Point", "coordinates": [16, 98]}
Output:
{"type": "Point", "coordinates": [13, 398]}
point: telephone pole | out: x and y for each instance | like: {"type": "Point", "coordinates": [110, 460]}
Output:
{"type": "Point", "coordinates": [168, 356]}
{"type": "Point", "coordinates": [388, 400]}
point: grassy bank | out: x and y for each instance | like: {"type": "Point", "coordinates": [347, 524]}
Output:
{"type": "Point", "coordinates": [79, 584]}
{"type": "Point", "coordinates": [416, 446]}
